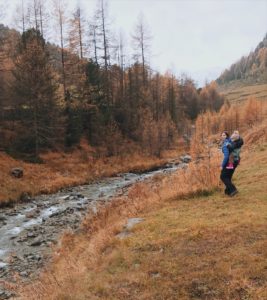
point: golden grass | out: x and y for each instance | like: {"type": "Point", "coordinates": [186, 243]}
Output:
{"type": "Point", "coordinates": [239, 93]}
{"type": "Point", "coordinates": [200, 247]}
{"type": "Point", "coordinates": [69, 169]}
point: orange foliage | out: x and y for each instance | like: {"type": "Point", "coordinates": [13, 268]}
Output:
{"type": "Point", "coordinates": [230, 117]}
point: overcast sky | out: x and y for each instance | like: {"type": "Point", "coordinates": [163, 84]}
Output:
{"type": "Point", "coordinates": [197, 37]}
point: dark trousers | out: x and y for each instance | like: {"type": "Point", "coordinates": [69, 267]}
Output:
{"type": "Point", "coordinates": [226, 177]}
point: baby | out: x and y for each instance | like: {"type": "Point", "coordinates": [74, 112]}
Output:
{"type": "Point", "coordinates": [234, 149]}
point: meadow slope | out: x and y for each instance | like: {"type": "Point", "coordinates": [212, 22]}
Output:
{"type": "Point", "coordinates": [237, 92]}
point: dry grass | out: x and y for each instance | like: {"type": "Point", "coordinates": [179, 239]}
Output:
{"type": "Point", "coordinates": [83, 252]}
{"type": "Point", "coordinates": [238, 93]}
{"type": "Point", "coordinates": [202, 247]}
{"type": "Point", "coordinates": [68, 169]}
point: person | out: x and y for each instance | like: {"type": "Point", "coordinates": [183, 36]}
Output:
{"type": "Point", "coordinates": [227, 170]}
{"type": "Point", "coordinates": [234, 149]}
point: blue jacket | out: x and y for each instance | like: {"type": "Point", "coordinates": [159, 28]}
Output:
{"type": "Point", "coordinates": [226, 152]}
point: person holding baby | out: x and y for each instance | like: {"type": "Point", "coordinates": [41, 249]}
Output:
{"type": "Point", "coordinates": [231, 147]}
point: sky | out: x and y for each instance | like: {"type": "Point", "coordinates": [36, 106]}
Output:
{"type": "Point", "coordinates": [200, 38]}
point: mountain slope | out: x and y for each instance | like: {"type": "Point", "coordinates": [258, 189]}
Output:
{"type": "Point", "coordinates": [249, 69]}
{"type": "Point", "coordinates": [247, 77]}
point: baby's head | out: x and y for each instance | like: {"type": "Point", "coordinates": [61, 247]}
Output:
{"type": "Point", "coordinates": [235, 136]}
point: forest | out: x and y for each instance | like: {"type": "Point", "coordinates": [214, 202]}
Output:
{"type": "Point", "coordinates": [87, 85]}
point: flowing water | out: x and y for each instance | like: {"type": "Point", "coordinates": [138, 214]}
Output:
{"type": "Point", "coordinates": [27, 231]}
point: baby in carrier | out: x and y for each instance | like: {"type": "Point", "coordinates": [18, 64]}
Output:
{"type": "Point", "coordinates": [234, 149]}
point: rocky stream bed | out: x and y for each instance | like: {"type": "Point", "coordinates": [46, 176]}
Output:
{"type": "Point", "coordinates": [27, 231]}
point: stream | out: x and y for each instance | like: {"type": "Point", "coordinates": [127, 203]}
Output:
{"type": "Point", "coordinates": [28, 230]}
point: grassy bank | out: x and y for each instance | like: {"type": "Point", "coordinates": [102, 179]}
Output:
{"type": "Point", "coordinates": [188, 247]}
{"type": "Point", "coordinates": [61, 170]}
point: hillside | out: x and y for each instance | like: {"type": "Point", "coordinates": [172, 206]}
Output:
{"type": "Point", "coordinates": [251, 69]}
{"type": "Point", "coordinates": [237, 92]}
{"type": "Point", "coordinates": [247, 77]}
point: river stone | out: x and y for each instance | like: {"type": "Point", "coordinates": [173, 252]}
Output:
{"type": "Point", "coordinates": [5, 294]}
{"type": "Point", "coordinates": [186, 158]}
{"type": "Point", "coordinates": [2, 218]}
{"type": "Point", "coordinates": [25, 197]}
{"type": "Point", "coordinates": [31, 234]}
{"type": "Point", "coordinates": [36, 242]}
{"type": "Point", "coordinates": [124, 234]}
{"type": "Point", "coordinates": [17, 172]}
{"type": "Point", "coordinates": [130, 224]}
{"type": "Point", "coordinates": [24, 274]}
{"type": "Point", "coordinates": [31, 214]}
{"type": "Point", "coordinates": [133, 221]}
{"type": "Point", "coordinates": [183, 166]}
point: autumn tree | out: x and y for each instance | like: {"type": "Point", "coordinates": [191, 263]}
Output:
{"type": "Point", "coordinates": [102, 42]}
{"type": "Point", "coordinates": [141, 40]}
{"type": "Point", "coordinates": [210, 99]}
{"type": "Point", "coordinates": [93, 40]}
{"type": "Point", "coordinates": [189, 98]}
{"type": "Point", "coordinates": [8, 40]}
{"type": "Point", "coordinates": [252, 111]}
{"type": "Point", "coordinates": [76, 33]}
{"type": "Point", "coordinates": [20, 17]}
{"type": "Point", "coordinates": [172, 100]}
{"type": "Point", "coordinates": [60, 20]}
{"type": "Point", "coordinates": [121, 57]}
{"type": "Point", "coordinates": [35, 90]}
{"type": "Point", "coordinates": [2, 55]}
{"type": "Point", "coordinates": [103, 32]}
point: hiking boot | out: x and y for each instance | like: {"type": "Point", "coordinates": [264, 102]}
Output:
{"type": "Point", "coordinates": [226, 192]}
{"type": "Point", "coordinates": [233, 193]}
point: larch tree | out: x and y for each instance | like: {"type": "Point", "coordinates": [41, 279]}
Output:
{"type": "Point", "coordinates": [20, 16]}
{"type": "Point", "coordinates": [76, 33]}
{"type": "Point", "coordinates": [33, 14]}
{"type": "Point", "coordinates": [172, 99]}
{"type": "Point", "coordinates": [92, 43]}
{"type": "Point", "coordinates": [252, 111]}
{"type": "Point", "coordinates": [103, 34]}
{"type": "Point", "coordinates": [102, 18]}
{"type": "Point", "coordinates": [2, 56]}
{"type": "Point", "coordinates": [189, 98]}
{"type": "Point", "coordinates": [60, 20]}
{"type": "Point", "coordinates": [35, 89]}
{"type": "Point", "coordinates": [121, 64]}
{"type": "Point", "coordinates": [142, 43]}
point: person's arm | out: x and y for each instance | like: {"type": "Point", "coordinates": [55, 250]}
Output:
{"type": "Point", "coordinates": [226, 152]}
{"type": "Point", "coordinates": [236, 144]}
{"type": "Point", "coordinates": [239, 143]}
{"type": "Point", "coordinates": [230, 146]}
